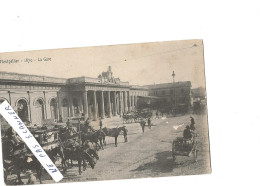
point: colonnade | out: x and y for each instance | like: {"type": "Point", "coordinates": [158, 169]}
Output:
{"type": "Point", "coordinates": [108, 103]}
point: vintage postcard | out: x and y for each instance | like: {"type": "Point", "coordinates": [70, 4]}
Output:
{"type": "Point", "coordinates": [107, 112]}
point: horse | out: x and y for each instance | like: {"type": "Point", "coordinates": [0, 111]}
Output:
{"type": "Point", "coordinates": [16, 160]}
{"type": "Point", "coordinates": [79, 154]}
{"type": "Point", "coordinates": [114, 132]}
{"type": "Point", "coordinates": [95, 137]}
{"type": "Point", "coordinates": [21, 159]}
{"type": "Point", "coordinates": [22, 162]}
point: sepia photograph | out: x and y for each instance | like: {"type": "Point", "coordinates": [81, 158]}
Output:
{"type": "Point", "coordinates": [107, 112]}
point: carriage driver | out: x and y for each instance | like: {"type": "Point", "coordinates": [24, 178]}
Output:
{"type": "Point", "coordinates": [192, 123]}
{"type": "Point", "coordinates": [13, 137]}
{"type": "Point", "coordinates": [87, 128]}
{"type": "Point", "coordinates": [70, 128]}
{"type": "Point", "coordinates": [187, 134]}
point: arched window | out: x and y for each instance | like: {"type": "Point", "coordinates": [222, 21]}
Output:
{"type": "Point", "coordinates": [53, 106]}
{"type": "Point", "coordinates": [39, 104]}
{"type": "Point", "coordinates": [22, 109]}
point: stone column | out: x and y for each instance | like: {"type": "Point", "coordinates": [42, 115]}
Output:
{"type": "Point", "coordinates": [125, 96]}
{"type": "Point", "coordinates": [45, 105]}
{"type": "Point", "coordinates": [10, 100]}
{"type": "Point", "coordinates": [128, 101]}
{"type": "Point", "coordinates": [58, 106]}
{"type": "Point", "coordinates": [133, 106]}
{"type": "Point", "coordinates": [123, 102]}
{"type": "Point", "coordinates": [102, 105]}
{"type": "Point", "coordinates": [114, 103]}
{"type": "Point", "coordinates": [71, 111]}
{"type": "Point", "coordinates": [80, 104]}
{"type": "Point", "coordinates": [29, 106]}
{"type": "Point", "coordinates": [85, 104]}
{"type": "Point", "coordinates": [95, 105]}
{"type": "Point", "coordinates": [120, 104]}
{"type": "Point", "coordinates": [135, 100]}
{"type": "Point", "coordinates": [109, 104]}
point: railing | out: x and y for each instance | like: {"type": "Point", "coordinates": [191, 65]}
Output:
{"type": "Point", "coordinates": [83, 80]}
{"type": "Point", "coordinates": [30, 78]}
{"type": "Point", "coordinates": [124, 83]}
{"type": "Point", "coordinates": [138, 87]}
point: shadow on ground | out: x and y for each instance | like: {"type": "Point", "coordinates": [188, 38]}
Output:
{"type": "Point", "coordinates": [162, 164]}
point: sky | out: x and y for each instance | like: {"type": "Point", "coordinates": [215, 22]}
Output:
{"type": "Point", "coordinates": [139, 64]}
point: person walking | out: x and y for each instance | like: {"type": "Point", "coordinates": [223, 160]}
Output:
{"type": "Point", "coordinates": [100, 124]}
{"type": "Point", "coordinates": [157, 114]}
{"type": "Point", "coordinates": [149, 123]}
{"type": "Point", "coordinates": [142, 123]}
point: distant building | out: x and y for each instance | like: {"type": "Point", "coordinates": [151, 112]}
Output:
{"type": "Point", "coordinates": [198, 93]}
{"type": "Point", "coordinates": [199, 100]}
{"type": "Point", "coordinates": [175, 95]}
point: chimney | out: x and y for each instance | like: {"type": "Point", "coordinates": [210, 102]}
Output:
{"type": "Point", "coordinates": [109, 68]}
{"type": "Point", "coordinates": [173, 75]}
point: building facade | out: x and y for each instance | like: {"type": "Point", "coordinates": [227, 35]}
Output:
{"type": "Point", "coordinates": [41, 99]}
{"type": "Point", "coordinates": [174, 96]}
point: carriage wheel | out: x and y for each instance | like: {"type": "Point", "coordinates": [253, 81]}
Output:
{"type": "Point", "coordinates": [195, 155]}
{"type": "Point", "coordinates": [5, 175]}
{"type": "Point", "coordinates": [173, 154]}
{"type": "Point", "coordinates": [195, 151]}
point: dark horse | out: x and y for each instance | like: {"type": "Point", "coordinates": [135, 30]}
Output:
{"type": "Point", "coordinates": [114, 132]}
{"type": "Point", "coordinates": [79, 154]}
{"type": "Point", "coordinates": [95, 137]}
{"type": "Point", "coordinates": [21, 159]}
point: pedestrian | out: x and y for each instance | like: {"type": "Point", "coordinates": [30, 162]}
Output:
{"type": "Point", "coordinates": [100, 124]}
{"type": "Point", "coordinates": [149, 123]}
{"type": "Point", "coordinates": [68, 123]}
{"type": "Point", "coordinates": [142, 123]}
{"type": "Point", "coordinates": [157, 114]}
{"type": "Point", "coordinates": [60, 119]}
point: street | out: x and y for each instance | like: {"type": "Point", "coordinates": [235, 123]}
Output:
{"type": "Point", "coordinates": [145, 154]}
{"type": "Point", "coordinates": [148, 154]}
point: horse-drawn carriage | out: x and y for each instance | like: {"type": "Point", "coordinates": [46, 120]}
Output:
{"type": "Point", "coordinates": [136, 116]}
{"type": "Point", "coordinates": [184, 147]}
{"type": "Point", "coordinates": [17, 158]}
{"type": "Point", "coordinates": [48, 139]}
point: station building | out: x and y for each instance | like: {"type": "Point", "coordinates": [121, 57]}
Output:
{"type": "Point", "coordinates": [42, 99]}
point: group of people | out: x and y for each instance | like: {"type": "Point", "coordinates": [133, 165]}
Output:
{"type": "Point", "coordinates": [143, 122]}
{"type": "Point", "coordinates": [85, 127]}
